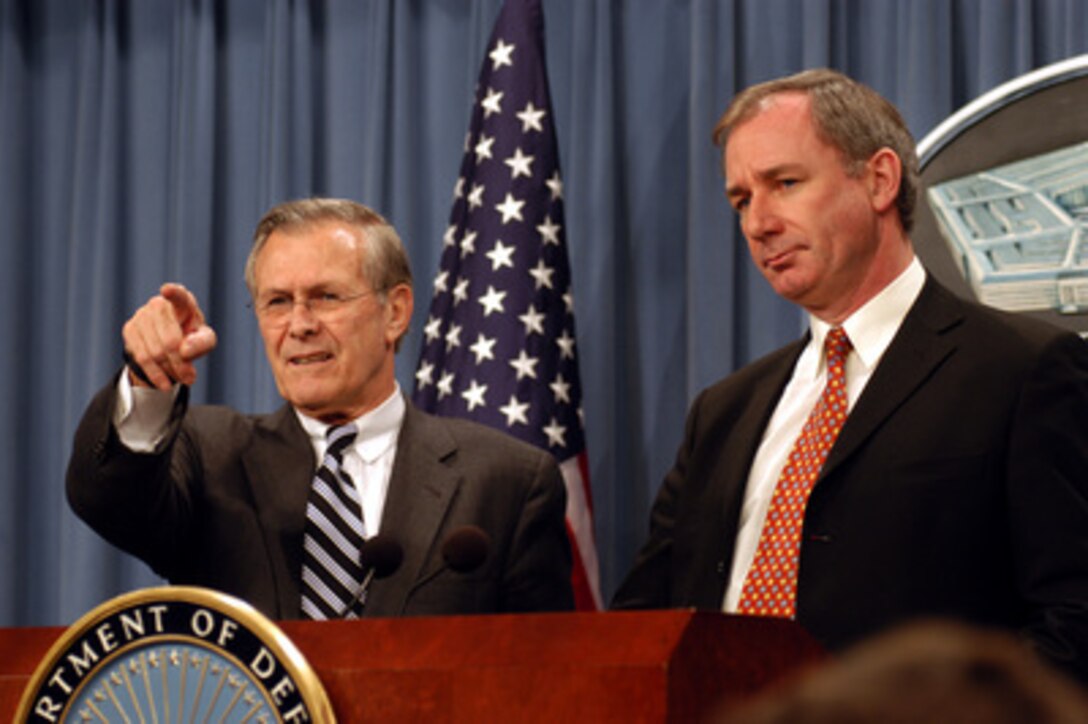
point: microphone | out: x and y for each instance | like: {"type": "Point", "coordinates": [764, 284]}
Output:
{"type": "Point", "coordinates": [463, 551]}
{"type": "Point", "coordinates": [466, 548]}
{"type": "Point", "coordinates": [380, 557]}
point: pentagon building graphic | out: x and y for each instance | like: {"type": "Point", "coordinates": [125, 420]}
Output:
{"type": "Point", "coordinates": [1020, 232]}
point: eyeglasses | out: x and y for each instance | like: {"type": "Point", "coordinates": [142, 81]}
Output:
{"type": "Point", "coordinates": [277, 308]}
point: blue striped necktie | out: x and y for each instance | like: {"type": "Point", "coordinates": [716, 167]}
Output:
{"type": "Point", "coordinates": [331, 573]}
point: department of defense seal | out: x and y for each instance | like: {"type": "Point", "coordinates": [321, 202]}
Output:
{"type": "Point", "coordinates": [174, 654]}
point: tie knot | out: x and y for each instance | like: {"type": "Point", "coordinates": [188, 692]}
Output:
{"type": "Point", "coordinates": [338, 438]}
{"type": "Point", "coordinates": [837, 345]}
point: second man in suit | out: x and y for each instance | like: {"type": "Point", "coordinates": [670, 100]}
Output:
{"type": "Point", "coordinates": [212, 497]}
{"type": "Point", "coordinates": [932, 462]}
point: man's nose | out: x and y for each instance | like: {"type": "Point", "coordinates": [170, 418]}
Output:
{"type": "Point", "coordinates": [760, 218]}
{"type": "Point", "coordinates": [302, 320]}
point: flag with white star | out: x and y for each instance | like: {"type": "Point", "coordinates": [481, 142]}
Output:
{"type": "Point", "coordinates": [499, 344]}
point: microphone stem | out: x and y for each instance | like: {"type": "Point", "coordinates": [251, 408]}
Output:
{"type": "Point", "coordinates": [357, 599]}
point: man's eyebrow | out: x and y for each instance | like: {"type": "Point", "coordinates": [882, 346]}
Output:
{"type": "Point", "coordinates": [779, 170]}
{"type": "Point", "coordinates": [305, 291]}
{"type": "Point", "coordinates": [770, 172]}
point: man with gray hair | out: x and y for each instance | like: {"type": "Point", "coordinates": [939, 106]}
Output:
{"type": "Point", "coordinates": [278, 509]}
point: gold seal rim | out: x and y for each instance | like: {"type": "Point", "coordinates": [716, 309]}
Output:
{"type": "Point", "coordinates": [298, 667]}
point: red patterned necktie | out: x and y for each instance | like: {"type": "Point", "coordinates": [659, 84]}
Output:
{"type": "Point", "coordinates": [771, 586]}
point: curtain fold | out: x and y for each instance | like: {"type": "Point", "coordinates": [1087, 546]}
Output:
{"type": "Point", "coordinates": [141, 141]}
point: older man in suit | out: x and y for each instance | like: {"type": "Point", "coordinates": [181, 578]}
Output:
{"type": "Point", "coordinates": [932, 462]}
{"type": "Point", "coordinates": [209, 496]}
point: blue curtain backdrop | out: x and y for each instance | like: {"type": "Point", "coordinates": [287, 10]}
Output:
{"type": "Point", "coordinates": [140, 141]}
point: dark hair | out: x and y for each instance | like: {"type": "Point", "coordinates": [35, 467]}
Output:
{"type": "Point", "coordinates": [849, 115]}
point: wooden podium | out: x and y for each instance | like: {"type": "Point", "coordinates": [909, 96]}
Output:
{"type": "Point", "coordinates": [653, 666]}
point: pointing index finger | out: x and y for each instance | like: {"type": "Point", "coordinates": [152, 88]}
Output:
{"type": "Point", "coordinates": [186, 309]}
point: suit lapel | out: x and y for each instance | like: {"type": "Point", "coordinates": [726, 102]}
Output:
{"type": "Point", "coordinates": [735, 441]}
{"type": "Point", "coordinates": [750, 425]}
{"type": "Point", "coordinates": [919, 348]}
{"type": "Point", "coordinates": [421, 487]}
{"type": "Point", "coordinates": [279, 462]}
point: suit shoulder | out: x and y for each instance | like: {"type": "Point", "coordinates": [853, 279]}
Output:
{"type": "Point", "coordinates": [1017, 331]}
{"type": "Point", "coordinates": [444, 435]}
{"type": "Point", "coordinates": [484, 456]}
{"type": "Point", "coordinates": [474, 435]}
{"type": "Point", "coordinates": [768, 369]}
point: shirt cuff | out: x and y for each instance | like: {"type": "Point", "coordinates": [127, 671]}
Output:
{"type": "Point", "coordinates": [142, 414]}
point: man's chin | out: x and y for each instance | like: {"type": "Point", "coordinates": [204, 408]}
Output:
{"type": "Point", "coordinates": [790, 286]}
{"type": "Point", "coordinates": [309, 401]}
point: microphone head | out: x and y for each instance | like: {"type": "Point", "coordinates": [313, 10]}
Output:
{"type": "Point", "coordinates": [382, 554]}
{"type": "Point", "coordinates": [466, 548]}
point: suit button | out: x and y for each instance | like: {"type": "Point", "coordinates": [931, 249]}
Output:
{"type": "Point", "coordinates": [720, 568]}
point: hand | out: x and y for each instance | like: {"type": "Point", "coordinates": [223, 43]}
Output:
{"type": "Point", "coordinates": [166, 335]}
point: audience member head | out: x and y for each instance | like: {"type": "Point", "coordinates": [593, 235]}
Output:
{"type": "Point", "coordinates": [922, 673]}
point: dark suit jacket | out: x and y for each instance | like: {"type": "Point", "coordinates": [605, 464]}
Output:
{"type": "Point", "coordinates": [223, 505]}
{"type": "Point", "coordinates": [958, 486]}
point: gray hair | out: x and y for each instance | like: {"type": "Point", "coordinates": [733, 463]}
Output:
{"type": "Point", "coordinates": [849, 115]}
{"type": "Point", "coordinates": [385, 262]}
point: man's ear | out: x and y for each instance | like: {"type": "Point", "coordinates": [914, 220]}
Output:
{"type": "Point", "coordinates": [398, 305]}
{"type": "Point", "coordinates": [885, 174]}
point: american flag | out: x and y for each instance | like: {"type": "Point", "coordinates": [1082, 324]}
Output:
{"type": "Point", "coordinates": [499, 344]}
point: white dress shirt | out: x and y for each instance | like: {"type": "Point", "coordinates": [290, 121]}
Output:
{"type": "Point", "coordinates": [870, 329]}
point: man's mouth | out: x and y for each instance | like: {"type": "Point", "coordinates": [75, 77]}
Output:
{"type": "Point", "coordinates": [780, 259]}
{"type": "Point", "coordinates": [309, 359]}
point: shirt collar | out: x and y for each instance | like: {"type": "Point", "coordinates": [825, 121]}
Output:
{"type": "Point", "coordinates": [873, 326]}
{"type": "Point", "coordinates": [378, 429]}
